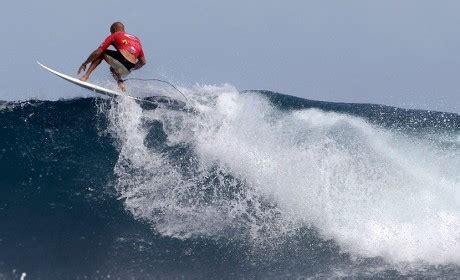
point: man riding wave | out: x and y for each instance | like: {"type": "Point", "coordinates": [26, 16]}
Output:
{"type": "Point", "coordinates": [128, 55]}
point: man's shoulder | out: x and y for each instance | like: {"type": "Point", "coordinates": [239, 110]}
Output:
{"type": "Point", "coordinates": [131, 36]}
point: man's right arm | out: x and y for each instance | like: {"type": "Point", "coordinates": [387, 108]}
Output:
{"type": "Point", "coordinates": [95, 54]}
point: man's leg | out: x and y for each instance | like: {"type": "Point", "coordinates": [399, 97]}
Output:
{"type": "Point", "coordinates": [118, 70]}
{"type": "Point", "coordinates": [117, 77]}
{"type": "Point", "coordinates": [91, 68]}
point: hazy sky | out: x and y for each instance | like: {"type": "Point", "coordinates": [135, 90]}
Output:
{"type": "Point", "coordinates": [394, 52]}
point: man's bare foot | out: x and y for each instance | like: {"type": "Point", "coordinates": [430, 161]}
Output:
{"type": "Point", "coordinates": [84, 78]}
{"type": "Point", "coordinates": [122, 86]}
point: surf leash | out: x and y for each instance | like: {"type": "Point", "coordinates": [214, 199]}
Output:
{"type": "Point", "coordinates": [158, 80]}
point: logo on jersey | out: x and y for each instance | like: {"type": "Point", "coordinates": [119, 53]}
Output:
{"type": "Point", "coordinates": [132, 49]}
{"type": "Point", "coordinates": [130, 36]}
{"type": "Point", "coordinates": [124, 41]}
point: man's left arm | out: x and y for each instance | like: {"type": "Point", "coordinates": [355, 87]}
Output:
{"type": "Point", "coordinates": [140, 62]}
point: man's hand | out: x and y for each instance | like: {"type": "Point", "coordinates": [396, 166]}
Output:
{"type": "Point", "coordinates": [82, 68]}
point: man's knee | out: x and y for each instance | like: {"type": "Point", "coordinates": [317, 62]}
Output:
{"type": "Point", "coordinates": [116, 67]}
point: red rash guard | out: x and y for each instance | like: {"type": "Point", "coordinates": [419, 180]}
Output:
{"type": "Point", "coordinates": [124, 41]}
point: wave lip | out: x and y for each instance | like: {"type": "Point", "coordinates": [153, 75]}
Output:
{"type": "Point", "coordinates": [376, 191]}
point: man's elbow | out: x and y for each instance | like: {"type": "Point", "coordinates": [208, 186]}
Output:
{"type": "Point", "coordinates": [139, 64]}
{"type": "Point", "coordinates": [98, 52]}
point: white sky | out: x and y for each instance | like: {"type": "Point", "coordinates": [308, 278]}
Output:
{"type": "Point", "coordinates": [403, 53]}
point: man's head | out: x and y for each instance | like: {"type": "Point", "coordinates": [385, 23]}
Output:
{"type": "Point", "coordinates": [116, 27]}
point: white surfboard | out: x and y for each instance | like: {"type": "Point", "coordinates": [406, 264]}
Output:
{"type": "Point", "coordinates": [92, 87]}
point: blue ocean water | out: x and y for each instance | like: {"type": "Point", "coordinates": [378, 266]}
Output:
{"type": "Point", "coordinates": [238, 185]}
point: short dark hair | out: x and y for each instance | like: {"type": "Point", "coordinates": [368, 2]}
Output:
{"type": "Point", "coordinates": [117, 26]}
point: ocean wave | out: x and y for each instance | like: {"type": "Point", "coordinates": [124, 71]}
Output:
{"type": "Point", "coordinates": [377, 192]}
{"type": "Point", "coordinates": [280, 180]}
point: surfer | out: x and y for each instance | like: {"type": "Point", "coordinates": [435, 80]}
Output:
{"type": "Point", "coordinates": [128, 55]}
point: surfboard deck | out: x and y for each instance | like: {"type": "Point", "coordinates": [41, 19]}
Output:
{"type": "Point", "coordinates": [93, 87]}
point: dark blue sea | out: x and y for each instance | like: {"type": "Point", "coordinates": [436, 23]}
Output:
{"type": "Point", "coordinates": [235, 185]}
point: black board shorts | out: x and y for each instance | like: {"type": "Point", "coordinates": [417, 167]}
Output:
{"type": "Point", "coordinates": [119, 63]}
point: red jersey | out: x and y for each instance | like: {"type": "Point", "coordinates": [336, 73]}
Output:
{"type": "Point", "coordinates": [124, 41]}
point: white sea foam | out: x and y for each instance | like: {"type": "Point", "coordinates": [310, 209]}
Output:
{"type": "Point", "coordinates": [375, 192]}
